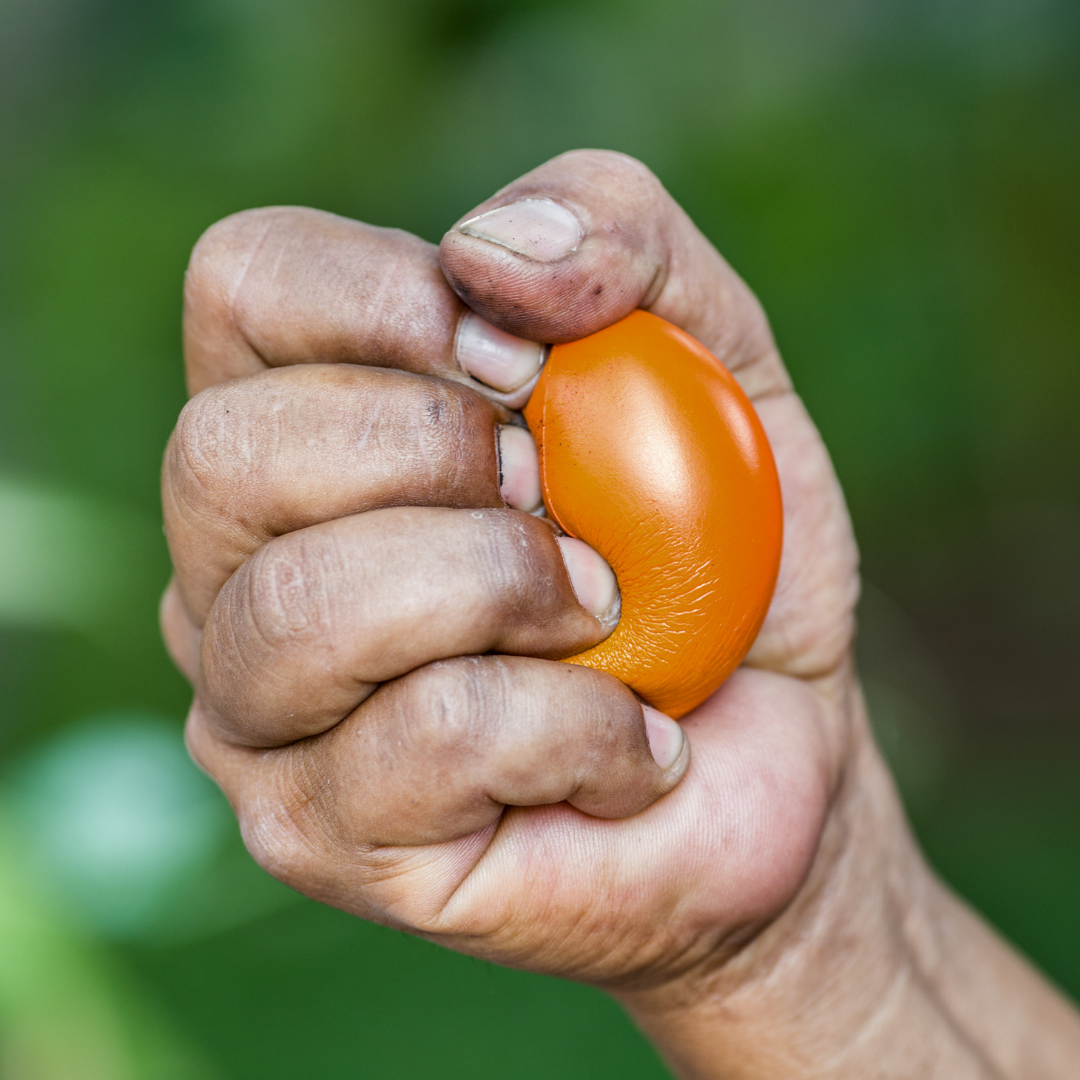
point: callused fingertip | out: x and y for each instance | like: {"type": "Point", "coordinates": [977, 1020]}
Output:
{"type": "Point", "coordinates": [539, 229]}
{"type": "Point", "coordinates": [667, 741]}
{"type": "Point", "coordinates": [593, 581]}
{"type": "Point", "coordinates": [519, 469]}
{"type": "Point", "coordinates": [495, 358]}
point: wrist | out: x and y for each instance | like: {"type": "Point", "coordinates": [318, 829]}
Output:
{"type": "Point", "coordinates": [850, 980]}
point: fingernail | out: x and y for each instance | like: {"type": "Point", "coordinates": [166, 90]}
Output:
{"type": "Point", "coordinates": [593, 580]}
{"type": "Point", "coordinates": [539, 229]}
{"type": "Point", "coordinates": [494, 357]}
{"type": "Point", "coordinates": [519, 468]}
{"type": "Point", "coordinates": [665, 737]}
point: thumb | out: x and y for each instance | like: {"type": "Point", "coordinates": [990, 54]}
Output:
{"type": "Point", "coordinates": [586, 238]}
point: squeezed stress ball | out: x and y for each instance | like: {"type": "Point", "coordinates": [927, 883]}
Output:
{"type": "Point", "coordinates": [651, 453]}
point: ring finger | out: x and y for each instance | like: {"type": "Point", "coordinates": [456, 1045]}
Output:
{"type": "Point", "coordinates": [310, 625]}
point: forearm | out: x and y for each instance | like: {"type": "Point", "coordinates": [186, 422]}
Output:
{"type": "Point", "coordinates": [875, 970]}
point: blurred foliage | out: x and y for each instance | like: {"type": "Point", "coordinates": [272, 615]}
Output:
{"type": "Point", "coordinates": [65, 1009]}
{"type": "Point", "coordinates": [896, 178]}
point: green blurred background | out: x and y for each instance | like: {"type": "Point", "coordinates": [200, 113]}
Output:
{"type": "Point", "coordinates": [900, 182]}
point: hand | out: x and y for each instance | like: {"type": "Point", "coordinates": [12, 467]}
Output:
{"type": "Point", "coordinates": [372, 622]}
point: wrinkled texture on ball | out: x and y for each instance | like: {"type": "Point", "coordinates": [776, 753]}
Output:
{"type": "Point", "coordinates": [651, 453]}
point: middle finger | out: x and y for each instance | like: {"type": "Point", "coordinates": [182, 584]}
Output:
{"type": "Point", "coordinates": [282, 450]}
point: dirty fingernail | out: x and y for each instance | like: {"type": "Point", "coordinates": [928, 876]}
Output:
{"type": "Point", "coordinates": [665, 737]}
{"type": "Point", "coordinates": [593, 580]}
{"type": "Point", "coordinates": [539, 229]}
{"type": "Point", "coordinates": [519, 468]}
{"type": "Point", "coordinates": [494, 357]}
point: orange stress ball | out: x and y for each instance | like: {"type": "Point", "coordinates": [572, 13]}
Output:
{"type": "Point", "coordinates": [651, 453]}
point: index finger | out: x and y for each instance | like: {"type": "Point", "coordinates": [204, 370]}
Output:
{"type": "Point", "coordinates": [288, 285]}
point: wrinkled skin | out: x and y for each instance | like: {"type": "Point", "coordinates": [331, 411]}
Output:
{"type": "Point", "coordinates": [373, 637]}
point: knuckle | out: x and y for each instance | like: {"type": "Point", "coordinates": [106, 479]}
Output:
{"type": "Point", "coordinates": [220, 253]}
{"type": "Point", "coordinates": [608, 165]}
{"type": "Point", "coordinates": [197, 738]}
{"type": "Point", "coordinates": [287, 592]}
{"type": "Point", "coordinates": [222, 256]}
{"type": "Point", "coordinates": [300, 830]}
{"type": "Point", "coordinates": [442, 420]}
{"type": "Point", "coordinates": [271, 802]}
{"type": "Point", "coordinates": [278, 832]}
{"type": "Point", "coordinates": [205, 450]}
{"type": "Point", "coordinates": [445, 707]}
{"type": "Point", "coordinates": [448, 435]}
{"type": "Point", "coordinates": [510, 563]}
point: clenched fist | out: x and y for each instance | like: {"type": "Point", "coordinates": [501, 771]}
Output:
{"type": "Point", "coordinates": [373, 615]}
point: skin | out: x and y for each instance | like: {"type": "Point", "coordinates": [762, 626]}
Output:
{"type": "Point", "coordinates": [372, 636]}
